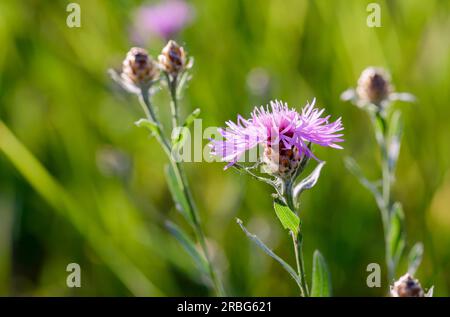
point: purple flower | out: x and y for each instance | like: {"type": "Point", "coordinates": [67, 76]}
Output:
{"type": "Point", "coordinates": [164, 19]}
{"type": "Point", "coordinates": [280, 129]}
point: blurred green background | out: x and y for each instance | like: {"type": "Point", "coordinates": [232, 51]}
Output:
{"type": "Point", "coordinates": [107, 214]}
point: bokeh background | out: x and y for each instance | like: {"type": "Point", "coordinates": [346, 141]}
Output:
{"type": "Point", "coordinates": [102, 199]}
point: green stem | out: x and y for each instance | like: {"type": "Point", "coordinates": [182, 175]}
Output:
{"type": "Point", "coordinates": [381, 136]}
{"type": "Point", "coordinates": [298, 251]}
{"type": "Point", "coordinates": [289, 193]}
{"type": "Point", "coordinates": [184, 186]}
{"type": "Point", "coordinates": [173, 100]}
{"type": "Point", "coordinates": [302, 264]}
{"type": "Point", "coordinates": [297, 241]}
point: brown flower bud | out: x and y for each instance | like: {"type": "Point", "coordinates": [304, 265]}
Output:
{"type": "Point", "coordinates": [374, 85]}
{"type": "Point", "coordinates": [173, 59]}
{"type": "Point", "coordinates": [407, 286]}
{"type": "Point", "coordinates": [283, 163]}
{"type": "Point", "coordinates": [138, 68]}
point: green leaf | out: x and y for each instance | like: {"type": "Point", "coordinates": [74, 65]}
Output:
{"type": "Point", "coordinates": [394, 139]}
{"type": "Point", "coordinates": [310, 181]}
{"type": "Point", "coordinates": [190, 118]}
{"type": "Point", "coordinates": [396, 233]}
{"type": "Point", "coordinates": [288, 218]}
{"type": "Point", "coordinates": [430, 292]}
{"type": "Point", "coordinates": [150, 125]}
{"type": "Point", "coordinates": [179, 133]}
{"type": "Point", "coordinates": [321, 285]}
{"type": "Point", "coordinates": [415, 258]}
{"type": "Point", "coordinates": [379, 123]}
{"type": "Point", "coordinates": [178, 196]}
{"type": "Point", "coordinates": [260, 244]}
{"type": "Point", "coordinates": [179, 136]}
{"type": "Point", "coordinates": [354, 168]}
{"type": "Point", "coordinates": [349, 95]}
{"type": "Point", "coordinates": [188, 245]}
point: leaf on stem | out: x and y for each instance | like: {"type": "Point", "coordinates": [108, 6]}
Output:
{"type": "Point", "coordinates": [394, 139]}
{"type": "Point", "coordinates": [321, 282]}
{"type": "Point", "coordinates": [178, 137]}
{"type": "Point", "coordinates": [430, 292]}
{"type": "Point", "coordinates": [354, 168]}
{"type": "Point", "coordinates": [287, 217]}
{"type": "Point", "coordinates": [396, 233]}
{"type": "Point", "coordinates": [190, 118]}
{"type": "Point", "coordinates": [415, 258]}
{"type": "Point", "coordinates": [402, 96]}
{"type": "Point", "coordinates": [188, 245]}
{"type": "Point", "coordinates": [149, 125]}
{"type": "Point", "coordinates": [260, 244]}
{"type": "Point", "coordinates": [349, 95]}
{"type": "Point", "coordinates": [379, 124]}
{"type": "Point", "coordinates": [310, 181]}
{"type": "Point", "coordinates": [179, 198]}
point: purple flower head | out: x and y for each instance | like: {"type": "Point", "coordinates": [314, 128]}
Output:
{"type": "Point", "coordinates": [278, 128]}
{"type": "Point", "coordinates": [164, 19]}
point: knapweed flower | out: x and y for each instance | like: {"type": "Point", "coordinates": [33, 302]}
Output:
{"type": "Point", "coordinates": [173, 59]}
{"type": "Point", "coordinates": [164, 19]}
{"type": "Point", "coordinates": [139, 71]}
{"type": "Point", "coordinates": [139, 68]}
{"type": "Point", "coordinates": [374, 85]}
{"type": "Point", "coordinates": [283, 133]}
{"type": "Point", "coordinates": [408, 286]}
{"type": "Point", "coordinates": [374, 89]}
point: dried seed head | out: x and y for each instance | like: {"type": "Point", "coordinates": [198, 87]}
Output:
{"type": "Point", "coordinates": [374, 85]}
{"type": "Point", "coordinates": [407, 286]}
{"type": "Point", "coordinates": [138, 68]}
{"type": "Point", "coordinates": [283, 163]}
{"type": "Point", "coordinates": [173, 59]}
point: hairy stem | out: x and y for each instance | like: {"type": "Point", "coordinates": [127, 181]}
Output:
{"type": "Point", "coordinates": [173, 100]}
{"type": "Point", "coordinates": [381, 136]}
{"type": "Point", "coordinates": [297, 241]}
{"type": "Point", "coordinates": [298, 252]}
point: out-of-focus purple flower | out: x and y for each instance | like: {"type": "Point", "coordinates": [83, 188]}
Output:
{"type": "Point", "coordinates": [280, 129]}
{"type": "Point", "coordinates": [163, 19]}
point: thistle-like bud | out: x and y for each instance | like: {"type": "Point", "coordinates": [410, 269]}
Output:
{"type": "Point", "coordinates": [173, 59]}
{"type": "Point", "coordinates": [407, 286]}
{"type": "Point", "coordinates": [139, 68]}
{"type": "Point", "coordinates": [283, 163]}
{"type": "Point", "coordinates": [374, 85]}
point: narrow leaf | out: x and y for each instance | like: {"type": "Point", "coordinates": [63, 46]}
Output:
{"type": "Point", "coordinates": [415, 258]}
{"type": "Point", "coordinates": [354, 168]}
{"type": "Point", "coordinates": [145, 123]}
{"type": "Point", "coordinates": [188, 245]}
{"type": "Point", "coordinates": [260, 244]}
{"type": "Point", "coordinates": [394, 139]}
{"type": "Point", "coordinates": [396, 233]}
{"type": "Point", "coordinates": [430, 292]}
{"type": "Point", "coordinates": [310, 181]}
{"type": "Point", "coordinates": [287, 217]}
{"type": "Point", "coordinates": [321, 285]}
{"type": "Point", "coordinates": [349, 95]}
{"type": "Point", "coordinates": [190, 118]}
{"type": "Point", "coordinates": [178, 137]}
{"type": "Point", "coordinates": [181, 203]}
{"type": "Point", "coordinates": [402, 96]}
{"type": "Point", "coordinates": [380, 127]}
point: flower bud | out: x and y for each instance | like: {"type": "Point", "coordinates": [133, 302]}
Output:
{"type": "Point", "coordinates": [173, 59]}
{"type": "Point", "coordinates": [407, 286]}
{"type": "Point", "coordinates": [138, 68]}
{"type": "Point", "coordinates": [374, 85]}
{"type": "Point", "coordinates": [283, 163]}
